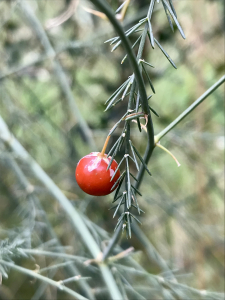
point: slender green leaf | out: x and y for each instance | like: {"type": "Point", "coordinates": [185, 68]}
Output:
{"type": "Point", "coordinates": [151, 34]}
{"type": "Point", "coordinates": [145, 62]}
{"type": "Point", "coordinates": [122, 61]}
{"type": "Point", "coordinates": [135, 218]}
{"type": "Point", "coordinates": [136, 202]}
{"type": "Point", "coordinates": [119, 186]}
{"type": "Point", "coordinates": [113, 147]}
{"type": "Point", "coordinates": [120, 7]}
{"type": "Point", "coordinates": [149, 97]}
{"type": "Point", "coordinates": [118, 180]}
{"type": "Point", "coordinates": [137, 102]}
{"type": "Point", "coordinates": [172, 7]}
{"type": "Point", "coordinates": [133, 176]}
{"type": "Point", "coordinates": [128, 224]}
{"type": "Point", "coordinates": [174, 18]}
{"type": "Point", "coordinates": [118, 206]}
{"type": "Point", "coordinates": [115, 93]}
{"type": "Point", "coordinates": [136, 163]}
{"type": "Point", "coordinates": [139, 124]}
{"type": "Point", "coordinates": [154, 112]}
{"type": "Point", "coordinates": [136, 190]}
{"type": "Point", "coordinates": [166, 54]}
{"type": "Point", "coordinates": [168, 16]}
{"type": "Point", "coordinates": [119, 221]}
{"type": "Point", "coordinates": [149, 80]}
{"type": "Point", "coordinates": [128, 183]}
{"type": "Point", "coordinates": [137, 208]}
{"type": "Point", "coordinates": [141, 159]}
{"type": "Point", "coordinates": [117, 169]}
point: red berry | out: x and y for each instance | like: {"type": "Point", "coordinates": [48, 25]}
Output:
{"type": "Point", "coordinates": [92, 176]}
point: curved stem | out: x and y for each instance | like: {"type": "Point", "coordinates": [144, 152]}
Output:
{"type": "Point", "coordinates": [138, 76]}
{"type": "Point", "coordinates": [7, 137]}
{"type": "Point", "coordinates": [43, 278]}
{"type": "Point", "coordinates": [112, 243]}
{"type": "Point", "coordinates": [189, 109]}
{"type": "Point", "coordinates": [30, 17]}
{"type": "Point", "coordinates": [143, 96]}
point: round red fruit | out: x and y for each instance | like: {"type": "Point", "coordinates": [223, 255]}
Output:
{"type": "Point", "coordinates": [92, 175]}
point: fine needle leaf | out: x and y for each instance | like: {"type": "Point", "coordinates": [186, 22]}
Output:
{"type": "Point", "coordinates": [135, 200]}
{"type": "Point", "coordinates": [136, 190]}
{"type": "Point", "coordinates": [133, 177]}
{"type": "Point", "coordinates": [115, 152]}
{"type": "Point", "coordinates": [118, 206]}
{"type": "Point", "coordinates": [117, 169]}
{"type": "Point", "coordinates": [166, 54]}
{"type": "Point", "coordinates": [119, 221]}
{"type": "Point", "coordinates": [135, 218]}
{"type": "Point", "coordinates": [137, 208]}
{"type": "Point", "coordinates": [151, 34]}
{"type": "Point", "coordinates": [115, 126]}
{"type": "Point", "coordinates": [147, 63]}
{"type": "Point", "coordinates": [122, 61]}
{"type": "Point", "coordinates": [168, 16]}
{"type": "Point", "coordinates": [117, 198]}
{"type": "Point", "coordinates": [175, 19]}
{"type": "Point", "coordinates": [113, 99]}
{"type": "Point", "coordinates": [127, 34]}
{"type": "Point", "coordinates": [128, 224]}
{"type": "Point", "coordinates": [120, 7]}
{"type": "Point", "coordinates": [154, 112]}
{"type": "Point", "coordinates": [113, 147]}
{"type": "Point", "coordinates": [128, 184]}
{"type": "Point", "coordinates": [149, 80]}
{"type": "Point", "coordinates": [119, 88]}
{"type": "Point", "coordinates": [127, 87]}
{"type": "Point", "coordinates": [172, 7]}
{"type": "Point", "coordinates": [112, 39]}
{"type": "Point", "coordinates": [138, 154]}
{"type": "Point", "coordinates": [141, 159]}
{"type": "Point", "coordinates": [119, 186]}
{"type": "Point", "coordinates": [139, 124]}
{"type": "Point", "coordinates": [136, 163]}
{"type": "Point", "coordinates": [137, 102]}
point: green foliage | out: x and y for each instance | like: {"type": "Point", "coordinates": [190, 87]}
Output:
{"type": "Point", "coordinates": [179, 249]}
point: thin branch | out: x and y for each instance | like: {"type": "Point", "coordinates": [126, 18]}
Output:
{"type": "Point", "coordinates": [35, 24]}
{"type": "Point", "coordinates": [71, 211]}
{"type": "Point", "coordinates": [72, 269]}
{"type": "Point", "coordinates": [103, 6]}
{"type": "Point", "coordinates": [34, 274]}
{"type": "Point", "coordinates": [189, 109]}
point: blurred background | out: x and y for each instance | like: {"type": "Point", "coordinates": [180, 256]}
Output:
{"type": "Point", "coordinates": [52, 94]}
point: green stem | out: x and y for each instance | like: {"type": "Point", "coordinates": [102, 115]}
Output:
{"type": "Point", "coordinates": [30, 17]}
{"type": "Point", "coordinates": [7, 137]}
{"type": "Point", "coordinates": [138, 76]}
{"type": "Point", "coordinates": [112, 242]}
{"type": "Point", "coordinates": [189, 109]}
{"type": "Point", "coordinates": [43, 278]}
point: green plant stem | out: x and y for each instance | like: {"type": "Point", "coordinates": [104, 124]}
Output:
{"type": "Point", "coordinates": [43, 278]}
{"type": "Point", "coordinates": [35, 24]}
{"type": "Point", "coordinates": [104, 7]}
{"type": "Point", "coordinates": [151, 252]}
{"type": "Point", "coordinates": [143, 95]}
{"type": "Point", "coordinates": [72, 269]}
{"type": "Point", "coordinates": [189, 109]}
{"type": "Point", "coordinates": [72, 213]}
{"type": "Point", "coordinates": [112, 242]}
